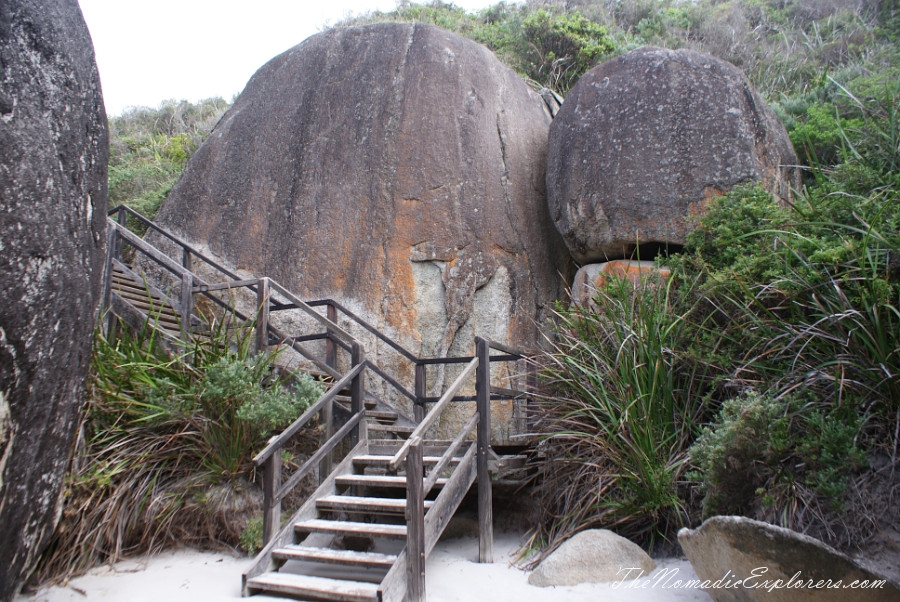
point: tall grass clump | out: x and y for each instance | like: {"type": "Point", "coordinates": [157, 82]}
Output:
{"type": "Point", "coordinates": [625, 399]}
{"type": "Point", "coordinates": [164, 448]}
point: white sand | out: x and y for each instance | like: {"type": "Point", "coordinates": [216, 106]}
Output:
{"type": "Point", "coordinates": [452, 574]}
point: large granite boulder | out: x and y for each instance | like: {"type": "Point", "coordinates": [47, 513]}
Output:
{"type": "Point", "coordinates": [643, 141]}
{"type": "Point", "coordinates": [592, 556]}
{"type": "Point", "coordinates": [398, 168]}
{"type": "Point", "coordinates": [53, 158]}
{"type": "Point", "coordinates": [742, 560]}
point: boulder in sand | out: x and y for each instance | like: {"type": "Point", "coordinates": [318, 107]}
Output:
{"type": "Point", "coordinates": [592, 556]}
{"type": "Point", "coordinates": [745, 560]}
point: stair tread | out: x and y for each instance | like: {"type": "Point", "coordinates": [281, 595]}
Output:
{"type": "Point", "coordinates": [368, 504]}
{"type": "Point", "coordinates": [392, 428]}
{"type": "Point", "coordinates": [351, 557]}
{"type": "Point", "coordinates": [376, 459]}
{"type": "Point", "coordinates": [339, 526]}
{"type": "Point", "coordinates": [367, 480]}
{"type": "Point", "coordinates": [320, 587]}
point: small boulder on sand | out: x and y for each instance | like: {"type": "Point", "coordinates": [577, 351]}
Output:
{"type": "Point", "coordinates": [593, 556]}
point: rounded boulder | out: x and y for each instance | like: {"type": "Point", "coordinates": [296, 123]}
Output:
{"type": "Point", "coordinates": [398, 168]}
{"type": "Point", "coordinates": [644, 141]}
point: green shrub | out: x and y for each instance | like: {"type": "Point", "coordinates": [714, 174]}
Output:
{"type": "Point", "coordinates": [167, 436]}
{"type": "Point", "coordinates": [761, 449]}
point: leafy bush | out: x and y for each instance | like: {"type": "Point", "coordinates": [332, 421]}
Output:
{"type": "Point", "coordinates": [166, 444]}
{"type": "Point", "coordinates": [149, 148]}
{"type": "Point", "coordinates": [761, 451]}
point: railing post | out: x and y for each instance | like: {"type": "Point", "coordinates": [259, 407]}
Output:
{"type": "Point", "coordinates": [271, 508]}
{"type": "Point", "coordinates": [415, 523]}
{"type": "Point", "coordinates": [419, 408]}
{"type": "Point", "coordinates": [357, 392]}
{"type": "Point", "coordinates": [186, 259]}
{"type": "Point", "coordinates": [330, 347]}
{"type": "Point", "coordinates": [485, 497]}
{"type": "Point", "coordinates": [187, 303]}
{"type": "Point", "coordinates": [122, 218]}
{"type": "Point", "coordinates": [112, 242]}
{"type": "Point", "coordinates": [262, 314]}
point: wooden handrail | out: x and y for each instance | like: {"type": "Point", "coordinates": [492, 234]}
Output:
{"type": "Point", "coordinates": [313, 461]}
{"type": "Point", "coordinates": [447, 456]}
{"type": "Point", "coordinates": [278, 441]}
{"type": "Point", "coordinates": [334, 328]}
{"type": "Point", "coordinates": [432, 415]}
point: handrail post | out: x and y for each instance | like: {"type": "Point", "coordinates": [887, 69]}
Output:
{"type": "Point", "coordinates": [415, 523]}
{"type": "Point", "coordinates": [122, 218]}
{"type": "Point", "coordinates": [326, 416]}
{"type": "Point", "coordinates": [187, 303]}
{"type": "Point", "coordinates": [186, 259]}
{"type": "Point", "coordinates": [419, 407]}
{"type": "Point", "coordinates": [357, 392]}
{"type": "Point", "coordinates": [112, 241]}
{"type": "Point", "coordinates": [485, 497]}
{"type": "Point", "coordinates": [330, 347]}
{"type": "Point", "coordinates": [262, 315]}
{"type": "Point", "coordinates": [271, 507]}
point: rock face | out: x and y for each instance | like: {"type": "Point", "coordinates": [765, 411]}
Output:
{"type": "Point", "coordinates": [53, 159]}
{"type": "Point", "coordinates": [643, 141]}
{"type": "Point", "coordinates": [746, 560]}
{"type": "Point", "coordinates": [397, 168]}
{"type": "Point", "coordinates": [592, 556]}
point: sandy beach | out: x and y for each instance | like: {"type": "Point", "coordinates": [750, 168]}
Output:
{"type": "Point", "coordinates": [452, 574]}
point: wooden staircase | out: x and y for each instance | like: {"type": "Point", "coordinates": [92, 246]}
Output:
{"type": "Point", "coordinates": [365, 532]}
{"type": "Point", "coordinates": [349, 541]}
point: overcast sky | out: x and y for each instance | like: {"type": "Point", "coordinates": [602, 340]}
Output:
{"type": "Point", "coordinates": [148, 52]}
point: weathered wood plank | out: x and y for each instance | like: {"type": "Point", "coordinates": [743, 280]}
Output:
{"type": "Point", "coordinates": [319, 588]}
{"type": "Point", "coordinates": [316, 525]}
{"type": "Point", "coordinates": [378, 481]}
{"type": "Point", "coordinates": [415, 524]}
{"type": "Point", "coordinates": [329, 556]}
{"type": "Point", "coordinates": [374, 505]}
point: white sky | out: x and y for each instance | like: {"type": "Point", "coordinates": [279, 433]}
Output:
{"type": "Point", "coordinates": [148, 52]}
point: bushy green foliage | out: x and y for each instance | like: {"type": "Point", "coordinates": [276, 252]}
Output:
{"type": "Point", "coordinates": [167, 439]}
{"type": "Point", "coordinates": [149, 148]}
{"type": "Point", "coordinates": [760, 450]}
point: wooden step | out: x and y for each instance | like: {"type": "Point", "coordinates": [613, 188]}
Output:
{"type": "Point", "coordinates": [318, 588]}
{"type": "Point", "coordinates": [340, 527]}
{"type": "Point", "coordinates": [382, 416]}
{"type": "Point", "coordinates": [367, 480]}
{"type": "Point", "coordinates": [380, 461]}
{"type": "Point", "coordinates": [329, 556]}
{"type": "Point", "coordinates": [392, 428]}
{"type": "Point", "coordinates": [373, 505]}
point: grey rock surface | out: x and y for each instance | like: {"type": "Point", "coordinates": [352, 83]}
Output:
{"type": "Point", "coordinates": [592, 556]}
{"type": "Point", "coordinates": [746, 560]}
{"type": "Point", "coordinates": [397, 168]}
{"type": "Point", "coordinates": [53, 162]}
{"type": "Point", "coordinates": [643, 141]}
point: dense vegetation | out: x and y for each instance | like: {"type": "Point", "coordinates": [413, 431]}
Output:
{"type": "Point", "coordinates": [149, 148]}
{"type": "Point", "coordinates": [163, 456]}
{"type": "Point", "coordinates": [762, 377]}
